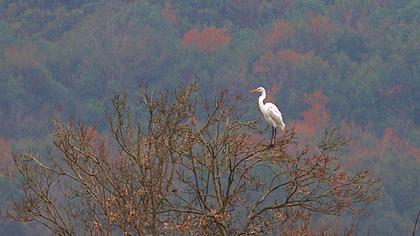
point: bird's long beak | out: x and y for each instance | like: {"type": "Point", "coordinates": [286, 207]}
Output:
{"type": "Point", "coordinates": [254, 91]}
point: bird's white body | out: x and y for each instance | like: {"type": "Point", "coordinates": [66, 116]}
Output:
{"type": "Point", "coordinates": [270, 111]}
{"type": "Point", "coordinates": [271, 114]}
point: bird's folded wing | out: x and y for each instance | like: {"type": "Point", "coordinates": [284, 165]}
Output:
{"type": "Point", "coordinates": [275, 114]}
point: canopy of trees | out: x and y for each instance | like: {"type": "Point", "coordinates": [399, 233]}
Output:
{"type": "Point", "coordinates": [353, 65]}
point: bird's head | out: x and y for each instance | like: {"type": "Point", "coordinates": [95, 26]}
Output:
{"type": "Point", "coordinates": [258, 90]}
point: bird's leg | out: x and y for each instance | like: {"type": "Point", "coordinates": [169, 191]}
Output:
{"type": "Point", "coordinates": [272, 135]}
{"type": "Point", "coordinates": [275, 134]}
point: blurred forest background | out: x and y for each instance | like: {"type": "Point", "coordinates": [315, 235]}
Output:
{"type": "Point", "coordinates": [353, 64]}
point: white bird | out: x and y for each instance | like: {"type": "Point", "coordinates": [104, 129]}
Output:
{"type": "Point", "coordinates": [271, 114]}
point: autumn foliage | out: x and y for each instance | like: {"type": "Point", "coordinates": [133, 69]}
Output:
{"type": "Point", "coordinates": [365, 145]}
{"type": "Point", "coordinates": [283, 59]}
{"type": "Point", "coordinates": [315, 118]}
{"type": "Point", "coordinates": [210, 39]}
{"type": "Point", "coordinates": [64, 59]}
{"type": "Point", "coordinates": [319, 27]}
{"type": "Point", "coordinates": [6, 159]}
{"type": "Point", "coordinates": [281, 31]}
{"type": "Point", "coordinates": [27, 55]}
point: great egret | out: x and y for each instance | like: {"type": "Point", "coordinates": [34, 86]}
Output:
{"type": "Point", "coordinates": [271, 114]}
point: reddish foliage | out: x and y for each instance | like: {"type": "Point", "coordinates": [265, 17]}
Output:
{"type": "Point", "coordinates": [263, 65]}
{"type": "Point", "coordinates": [281, 31]}
{"type": "Point", "coordinates": [345, 129]}
{"type": "Point", "coordinates": [315, 118]}
{"type": "Point", "coordinates": [191, 37]}
{"type": "Point", "coordinates": [282, 58]}
{"type": "Point", "coordinates": [366, 145]}
{"type": "Point", "coordinates": [27, 55]}
{"type": "Point", "coordinates": [290, 55]}
{"type": "Point", "coordinates": [389, 137]}
{"type": "Point", "coordinates": [414, 152]}
{"type": "Point", "coordinates": [273, 92]}
{"type": "Point", "coordinates": [319, 28]}
{"type": "Point", "coordinates": [391, 141]}
{"type": "Point", "coordinates": [6, 159]}
{"type": "Point", "coordinates": [209, 40]}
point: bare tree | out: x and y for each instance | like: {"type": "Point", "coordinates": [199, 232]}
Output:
{"type": "Point", "coordinates": [184, 165]}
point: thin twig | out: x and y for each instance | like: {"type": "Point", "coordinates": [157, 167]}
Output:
{"type": "Point", "coordinates": [415, 224]}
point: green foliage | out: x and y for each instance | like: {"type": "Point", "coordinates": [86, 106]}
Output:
{"type": "Point", "coordinates": [400, 191]}
{"type": "Point", "coordinates": [67, 58]}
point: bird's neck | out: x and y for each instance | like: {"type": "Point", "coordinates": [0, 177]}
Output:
{"type": "Point", "coordinates": [261, 101]}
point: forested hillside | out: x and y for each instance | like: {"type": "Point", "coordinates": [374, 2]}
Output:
{"type": "Point", "coordinates": [351, 64]}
